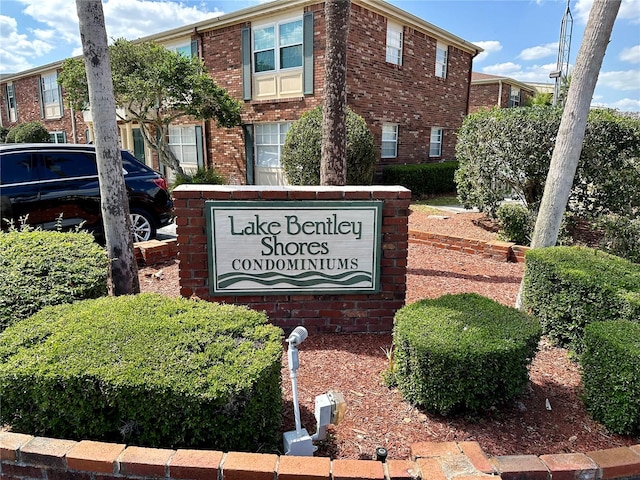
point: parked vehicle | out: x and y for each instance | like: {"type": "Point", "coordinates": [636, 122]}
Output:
{"type": "Point", "coordinates": [56, 186]}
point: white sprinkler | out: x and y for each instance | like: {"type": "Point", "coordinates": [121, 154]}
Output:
{"type": "Point", "coordinates": [329, 408]}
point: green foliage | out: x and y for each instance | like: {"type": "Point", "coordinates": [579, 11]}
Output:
{"type": "Point", "coordinates": [509, 151]}
{"type": "Point", "coordinates": [567, 288]}
{"type": "Point", "coordinates": [147, 370]}
{"type": "Point", "coordinates": [516, 224]}
{"type": "Point", "coordinates": [543, 99]}
{"type": "Point", "coordinates": [462, 352]}
{"type": "Point", "coordinates": [3, 134]}
{"type": "Point", "coordinates": [611, 375]}
{"type": "Point", "coordinates": [423, 179]}
{"type": "Point", "coordinates": [302, 149]}
{"type": "Point", "coordinates": [621, 236]}
{"type": "Point", "coordinates": [28, 132]}
{"type": "Point", "coordinates": [202, 176]}
{"type": "Point", "coordinates": [47, 268]}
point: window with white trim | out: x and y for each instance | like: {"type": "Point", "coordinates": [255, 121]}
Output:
{"type": "Point", "coordinates": [394, 43]}
{"type": "Point", "coordinates": [182, 141]}
{"type": "Point", "coordinates": [51, 96]}
{"type": "Point", "coordinates": [435, 142]}
{"type": "Point", "coordinates": [57, 137]}
{"type": "Point", "coordinates": [12, 113]}
{"type": "Point", "coordinates": [441, 60]}
{"type": "Point", "coordinates": [269, 139]}
{"type": "Point", "coordinates": [277, 46]}
{"type": "Point", "coordinates": [514, 97]}
{"type": "Point", "coordinates": [389, 147]}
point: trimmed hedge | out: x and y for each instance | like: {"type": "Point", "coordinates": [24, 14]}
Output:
{"type": "Point", "coordinates": [568, 287]}
{"type": "Point", "coordinates": [147, 370]}
{"type": "Point", "coordinates": [611, 374]}
{"type": "Point", "coordinates": [462, 353]}
{"type": "Point", "coordinates": [423, 179]}
{"type": "Point", "coordinates": [48, 268]}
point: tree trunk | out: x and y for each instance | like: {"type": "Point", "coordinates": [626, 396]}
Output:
{"type": "Point", "coordinates": [114, 203]}
{"type": "Point", "coordinates": [333, 162]}
{"type": "Point", "coordinates": [568, 147]}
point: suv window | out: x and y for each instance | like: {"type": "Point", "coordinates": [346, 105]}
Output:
{"type": "Point", "coordinates": [132, 164]}
{"type": "Point", "coordinates": [58, 165]}
{"type": "Point", "coordinates": [17, 168]}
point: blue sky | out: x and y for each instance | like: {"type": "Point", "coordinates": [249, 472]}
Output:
{"type": "Point", "coordinates": [520, 37]}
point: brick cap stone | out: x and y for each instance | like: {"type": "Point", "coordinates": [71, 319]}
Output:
{"type": "Point", "coordinates": [617, 462]}
{"type": "Point", "coordinates": [94, 456]}
{"type": "Point", "coordinates": [357, 470]}
{"type": "Point", "coordinates": [49, 452]}
{"type": "Point", "coordinates": [11, 442]}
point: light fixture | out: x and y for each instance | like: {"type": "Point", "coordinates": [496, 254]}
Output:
{"type": "Point", "coordinates": [330, 407]}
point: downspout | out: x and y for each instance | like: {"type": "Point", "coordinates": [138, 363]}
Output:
{"type": "Point", "coordinates": [204, 123]}
{"type": "Point", "coordinates": [500, 93]}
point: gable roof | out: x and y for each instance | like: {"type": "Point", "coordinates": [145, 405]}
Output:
{"type": "Point", "coordinates": [478, 78]}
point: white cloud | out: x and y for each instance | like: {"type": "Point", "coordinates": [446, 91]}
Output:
{"type": "Point", "coordinates": [506, 69]}
{"type": "Point", "coordinates": [540, 51]}
{"type": "Point", "coordinates": [629, 10]}
{"type": "Point", "coordinates": [18, 49]}
{"type": "Point", "coordinates": [528, 74]}
{"type": "Point", "coordinates": [489, 47]}
{"type": "Point", "coordinates": [627, 105]}
{"type": "Point", "coordinates": [620, 80]}
{"type": "Point", "coordinates": [631, 54]}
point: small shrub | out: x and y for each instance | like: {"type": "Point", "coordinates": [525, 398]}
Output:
{"type": "Point", "coordinates": [302, 149]}
{"type": "Point", "coordinates": [423, 179]}
{"type": "Point", "coordinates": [516, 224]}
{"type": "Point", "coordinates": [462, 353]}
{"type": "Point", "coordinates": [3, 134]}
{"type": "Point", "coordinates": [568, 287]}
{"type": "Point", "coordinates": [202, 176]}
{"type": "Point", "coordinates": [28, 132]}
{"type": "Point", "coordinates": [611, 375]}
{"type": "Point", "coordinates": [621, 236]}
{"type": "Point", "coordinates": [147, 370]}
{"type": "Point", "coordinates": [48, 268]}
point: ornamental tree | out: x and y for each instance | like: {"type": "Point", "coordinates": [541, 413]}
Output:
{"type": "Point", "coordinates": [155, 87]}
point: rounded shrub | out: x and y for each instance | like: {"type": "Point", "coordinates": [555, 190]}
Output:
{"type": "Point", "coordinates": [611, 374]}
{"type": "Point", "coordinates": [147, 370]}
{"type": "Point", "coordinates": [202, 176]}
{"type": "Point", "coordinates": [302, 150]}
{"type": "Point", "coordinates": [28, 132]}
{"type": "Point", "coordinates": [462, 353]}
{"type": "Point", "coordinates": [48, 268]}
{"type": "Point", "coordinates": [516, 223]}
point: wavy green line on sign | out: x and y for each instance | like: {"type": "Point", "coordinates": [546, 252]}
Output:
{"type": "Point", "coordinates": [295, 280]}
{"type": "Point", "coordinates": [301, 275]}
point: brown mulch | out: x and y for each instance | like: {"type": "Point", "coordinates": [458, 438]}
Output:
{"type": "Point", "coordinates": [549, 417]}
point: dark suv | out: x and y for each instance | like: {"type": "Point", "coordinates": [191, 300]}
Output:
{"type": "Point", "coordinates": [56, 185]}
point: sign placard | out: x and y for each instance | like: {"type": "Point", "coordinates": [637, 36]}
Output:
{"type": "Point", "coordinates": [301, 247]}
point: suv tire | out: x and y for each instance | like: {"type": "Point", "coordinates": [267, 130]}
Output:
{"type": "Point", "coordinates": [142, 225]}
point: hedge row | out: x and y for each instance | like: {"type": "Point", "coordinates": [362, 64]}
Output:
{"type": "Point", "coordinates": [146, 370]}
{"type": "Point", "coordinates": [566, 288]}
{"type": "Point", "coordinates": [423, 179]}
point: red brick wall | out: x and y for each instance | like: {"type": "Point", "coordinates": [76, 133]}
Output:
{"type": "Point", "coordinates": [319, 313]}
{"type": "Point", "coordinates": [28, 108]}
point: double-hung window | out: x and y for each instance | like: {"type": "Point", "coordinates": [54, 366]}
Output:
{"type": "Point", "coordinates": [50, 96]}
{"type": "Point", "coordinates": [394, 44]}
{"type": "Point", "coordinates": [10, 95]}
{"type": "Point", "coordinates": [389, 147]}
{"type": "Point", "coordinates": [441, 60]}
{"type": "Point", "coordinates": [269, 139]}
{"type": "Point", "coordinates": [57, 137]}
{"type": "Point", "coordinates": [435, 142]}
{"type": "Point", "coordinates": [182, 141]}
{"type": "Point", "coordinates": [514, 97]}
{"type": "Point", "coordinates": [277, 46]}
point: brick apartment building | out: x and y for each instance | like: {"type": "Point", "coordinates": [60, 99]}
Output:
{"type": "Point", "coordinates": [489, 91]}
{"type": "Point", "coordinates": [409, 79]}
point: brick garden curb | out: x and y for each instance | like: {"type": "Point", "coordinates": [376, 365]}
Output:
{"type": "Point", "coordinates": [28, 457]}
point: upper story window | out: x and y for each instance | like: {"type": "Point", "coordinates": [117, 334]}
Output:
{"type": "Point", "coordinates": [50, 96]}
{"type": "Point", "coordinates": [394, 43]}
{"type": "Point", "coordinates": [389, 147]}
{"type": "Point", "coordinates": [186, 48]}
{"type": "Point", "coordinates": [435, 142]}
{"type": "Point", "coordinates": [278, 46]}
{"type": "Point", "coordinates": [514, 97]}
{"type": "Point", "coordinates": [10, 95]}
{"type": "Point", "coordinates": [441, 60]}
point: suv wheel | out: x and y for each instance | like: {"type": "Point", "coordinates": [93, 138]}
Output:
{"type": "Point", "coordinates": [142, 225]}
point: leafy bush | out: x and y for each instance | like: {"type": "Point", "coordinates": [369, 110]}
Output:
{"type": "Point", "coordinates": [516, 224]}
{"type": "Point", "coordinates": [611, 375]}
{"type": "Point", "coordinates": [48, 268]}
{"type": "Point", "coordinates": [147, 370]}
{"type": "Point", "coordinates": [568, 287]}
{"type": "Point", "coordinates": [423, 179]}
{"type": "Point", "coordinates": [486, 347]}
{"type": "Point", "coordinates": [3, 134]}
{"type": "Point", "coordinates": [302, 149]}
{"type": "Point", "coordinates": [621, 236]}
{"type": "Point", "coordinates": [202, 176]}
{"type": "Point", "coordinates": [510, 149]}
{"type": "Point", "coordinates": [28, 132]}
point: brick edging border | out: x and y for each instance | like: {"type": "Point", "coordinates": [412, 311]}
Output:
{"type": "Point", "coordinates": [28, 457]}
